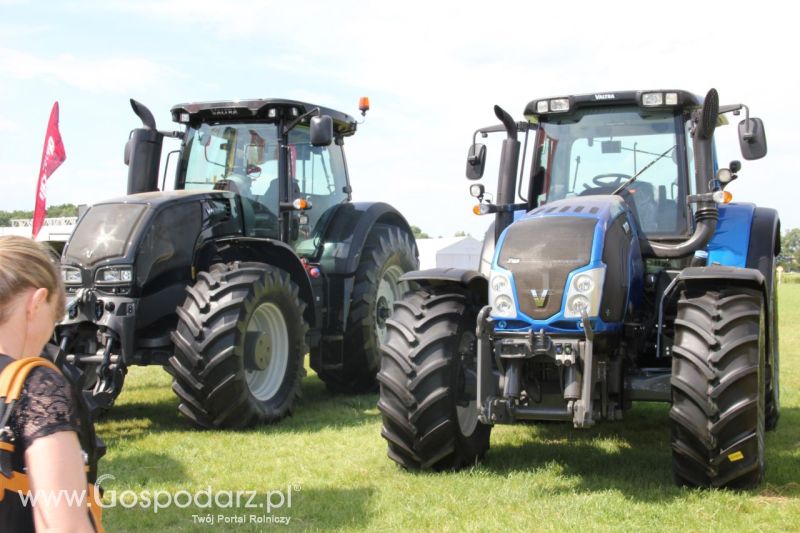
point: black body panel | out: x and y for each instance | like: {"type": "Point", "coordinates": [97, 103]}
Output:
{"type": "Point", "coordinates": [616, 252]}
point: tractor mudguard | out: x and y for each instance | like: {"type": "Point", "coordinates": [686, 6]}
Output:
{"type": "Point", "coordinates": [271, 252]}
{"type": "Point", "coordinates": [765, 242]}
{"type": "Point", "coordinates": [722, 275]}
{"type": "Point", "coordinates": [348, 232]}
{"type": "Point", "coordinates": [474, 281]}
{"type": "Point", "coordinates": [728, 246]}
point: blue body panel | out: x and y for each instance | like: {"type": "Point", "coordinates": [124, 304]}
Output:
{"type": "Point", "coordinates": [608, 208]}
{"type": "Point", "coordinates": [729, 245]}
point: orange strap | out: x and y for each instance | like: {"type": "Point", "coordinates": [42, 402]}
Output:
{"type": "Point", "coordinates": [18, 483]}
{"type": "Point", "coordinates": [14, 375]}
{"type": "Point", "coordinates": [12, 380]}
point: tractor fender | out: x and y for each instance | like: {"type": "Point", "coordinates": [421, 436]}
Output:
{"type": "Point", "coordinates": [717, 275]}
{"type": "Point", "coordinates": [268, 251]}
{"type": "Point", "coordinates": [474, 282]}
{"type": "Point", "coordinates": [765, 242]}
{"type": "Point", "coordinates": [348, 231]}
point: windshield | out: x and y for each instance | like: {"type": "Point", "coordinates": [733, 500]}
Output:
{"type": "Point", "coordinates": [246, 154]}
{"type": "Point", "coordinates": [597, 151]}
{"type": "Point", "coordinates": [243, 158]}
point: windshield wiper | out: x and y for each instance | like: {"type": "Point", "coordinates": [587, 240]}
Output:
{"type": "Point", "coordinates": [648, 165]}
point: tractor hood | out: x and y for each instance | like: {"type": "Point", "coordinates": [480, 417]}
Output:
{"type": "Point", "coordinates": [542, 253]}
{"type": "Point", "coordinates": [152, 237]}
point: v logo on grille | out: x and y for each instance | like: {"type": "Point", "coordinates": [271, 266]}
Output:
{"type": "Point", "coordinates": [539, 299]}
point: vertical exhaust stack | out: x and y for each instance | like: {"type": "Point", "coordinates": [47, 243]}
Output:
{"type": "Point", "coordinates": [143, 152]}
{"type": "Point", "coordinates": [705, 213]}
{"type": "Point", "coordinates": [507, 178]}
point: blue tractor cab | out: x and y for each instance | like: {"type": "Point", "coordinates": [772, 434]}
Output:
{"type": "Point", "coordinates": [619, 272]}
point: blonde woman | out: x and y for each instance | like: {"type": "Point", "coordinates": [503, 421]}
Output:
{"type": "Point", "coordinates": [43, 426]}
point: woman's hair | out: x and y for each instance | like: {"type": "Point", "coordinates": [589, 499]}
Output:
{"type": "Point", "coordinates": [24, 264]}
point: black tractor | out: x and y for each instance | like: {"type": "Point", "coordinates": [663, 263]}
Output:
{"type": "Point", "coordinates": [620, 272]}
{"type": "Point", "coordinates": [257, 257]}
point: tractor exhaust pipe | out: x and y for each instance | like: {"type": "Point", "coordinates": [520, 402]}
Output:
{"type": "Point", "coordinates": [143, 152]}
{"type": "Point", "coordinates": [705, 213]}
{"type": "Point", "coordinates": [507, 178]}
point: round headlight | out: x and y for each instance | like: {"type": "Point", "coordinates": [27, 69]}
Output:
{"type": "Point", "coordinates": [578, 304]}
{"type": "Point", "coordinates": [503, 305]}
{"type": "Point", "coordinates": [499, 284]}
{"type": "Point", "coordinates": [583, 283]}
{"type": "Point", "coordinates": [476, 190]}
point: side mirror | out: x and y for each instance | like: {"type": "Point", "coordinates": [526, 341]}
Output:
{"type": "Point", "coordinates": [752, 139]}
{"type": "Point", "coordinates": [476, 161]}
{"type": "Point", "coordinates": [321, 130]}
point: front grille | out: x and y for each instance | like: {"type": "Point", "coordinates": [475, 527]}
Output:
{"type": "Point", "coordinates": [541, 252]}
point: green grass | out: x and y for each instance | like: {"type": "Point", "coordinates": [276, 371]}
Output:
{"type": "Point", "coordinates": [545, 477]}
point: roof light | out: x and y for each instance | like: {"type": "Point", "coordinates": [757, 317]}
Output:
{"type": "Point", "coordinates": [272, 113]}
{"type": "Point", "coordinates": [653, 99]}
{"type": "Point", "coordinates": [183, 118]}
{"type": "Point", "coordinates": [363, 104]}
{"type": "Point", "coordinates": [295, 112]}
{"type": "Point", "coordinates": [671, 99]}
{"type": "Point", "coordinates": [559, 104]}
{"type": "Point", "coordinates": [541, 106]}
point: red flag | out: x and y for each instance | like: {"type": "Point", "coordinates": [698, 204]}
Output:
{"type": "Point", "coordinates": [53, 155]}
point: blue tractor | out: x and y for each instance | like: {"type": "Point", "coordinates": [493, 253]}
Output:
{"type": "Point", "coordinates": [620, 273]}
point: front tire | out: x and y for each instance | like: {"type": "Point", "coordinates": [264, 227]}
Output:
{"type": "Point", "coordinates": [239, 346]}
{"type": "Point", "coordinates": [430, 413]}
{"type": "Point", "coordinates": [718, 389]}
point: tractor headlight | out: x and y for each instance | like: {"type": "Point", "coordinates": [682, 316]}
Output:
{"type": "Point", "coordinates": [71, 275]}
{"type": "Point", "coordinates": [583, 283]}
{"type": "Point", "coordinates": [501, 296]}
{"type": "Point", "coordinates": [585, 292]}
{"type": "Point", "coordinates": [500, 283]}
{"type": "Point", "coordinates": [578, 303]}
{"type": "Point", "coordinates": [114, 275]}
{"type": "Point", "coordinates": [503, 305]}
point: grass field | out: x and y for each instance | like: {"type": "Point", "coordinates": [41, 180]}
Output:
{"type": "Point", "coordinates": [332, 460]}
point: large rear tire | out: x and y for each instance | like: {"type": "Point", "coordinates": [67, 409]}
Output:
{"type": "Point", "coordinates": [430, 412]}
{"type": "Point", "coordinates": [388, 253]}
{"type": "Point", "coordinates": [239, 346]}
{"type": "Point", "coordinates": [718, 389]}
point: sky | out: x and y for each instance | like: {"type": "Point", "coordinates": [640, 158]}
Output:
{"type": "Point", "coordinates": [433, 72]}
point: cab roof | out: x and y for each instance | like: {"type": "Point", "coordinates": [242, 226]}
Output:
{"type": "Point", "coordinates": [683, 100]}
{"type": "Point", "coordinates": [267, 109]}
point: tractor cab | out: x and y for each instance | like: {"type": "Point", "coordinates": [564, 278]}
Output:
{"type": "Point", "coordinates": [595, 144]}
{"type": "Point", "coordinates": [284, 166]}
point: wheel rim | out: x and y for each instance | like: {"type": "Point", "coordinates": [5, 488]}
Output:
{"type": "Point", "coordinates": [467, 414]}
{"type": "Point", "coordinates": [269, 323]}
{"type": "Point", "coordinates": [389, 290]}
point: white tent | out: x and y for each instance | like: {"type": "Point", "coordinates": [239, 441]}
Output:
{"type": "Point", "coordinates": [452, 252]}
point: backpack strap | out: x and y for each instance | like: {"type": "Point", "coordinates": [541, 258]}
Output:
{"type": "Point", "coordinates": [12, 381]}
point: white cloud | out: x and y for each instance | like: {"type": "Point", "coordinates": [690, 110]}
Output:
{"type": "Point", "coordinates": [118, 74]}
{"type": "Point", "coordinates": [6, 124]}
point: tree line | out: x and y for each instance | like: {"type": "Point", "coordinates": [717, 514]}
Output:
{"type": "Point", "coordinates": [54, 211]}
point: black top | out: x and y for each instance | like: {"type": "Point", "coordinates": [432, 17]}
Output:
{"type": "Point", "coordinates": [44, 408]}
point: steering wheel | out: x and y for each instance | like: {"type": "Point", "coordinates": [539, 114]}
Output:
{"type": "Point", "coordinates": [604, 180]}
